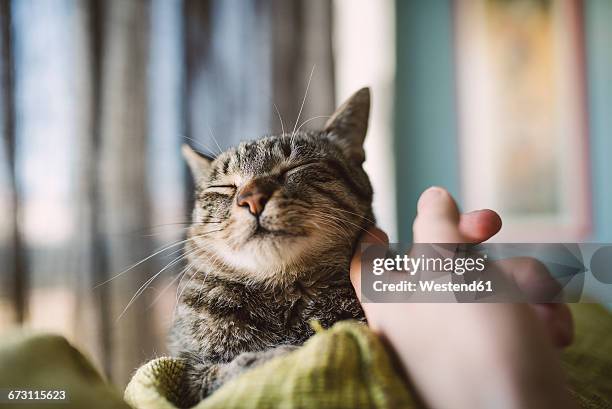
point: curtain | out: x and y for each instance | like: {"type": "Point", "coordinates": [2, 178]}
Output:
{"type": "Point", "coordinates": [96, 98]}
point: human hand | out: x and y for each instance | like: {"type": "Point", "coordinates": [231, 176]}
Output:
{"type": "Point", "coordinates": [472, 355]}
{"type": "Point", "coordinates": [439, 220]}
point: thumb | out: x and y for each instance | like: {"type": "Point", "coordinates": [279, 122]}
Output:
{"type": "Point", "coordinates": [437, 219]}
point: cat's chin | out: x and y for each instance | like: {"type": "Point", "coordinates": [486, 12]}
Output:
{"type": "Point", "coordinates": [267, 253]}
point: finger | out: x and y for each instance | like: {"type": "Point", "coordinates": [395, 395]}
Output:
{"type": "Point", "coordinates": [437, 219]}
{"type": "Point", "coordinates": [532, 279]}
{"type": "Point", "coordinates": [374, 236]}
{"type": "Point", "coordinates": [535, 282]}
{"type": "Point", "coordinates": [479, 225]}
{"type": "Point", "coordinates": [558, 321]}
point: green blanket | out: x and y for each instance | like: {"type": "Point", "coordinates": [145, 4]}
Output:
{"type": "Point", "coordinates": [345, 366]}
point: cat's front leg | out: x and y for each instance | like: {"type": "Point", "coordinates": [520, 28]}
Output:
{"type": "Point", "coordinates": [199, 379]}
{"type": "Point", "coordinates": [202, 377]}
{"type": "Point", "coordinates": [248, 360]}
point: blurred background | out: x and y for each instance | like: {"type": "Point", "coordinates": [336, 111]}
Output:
{"type": "Point", "coordinates": [507, 103]}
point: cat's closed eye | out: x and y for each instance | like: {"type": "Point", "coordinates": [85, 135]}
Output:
{"type": "Point", "coordinates": [299, 167]}
{"type": "Point", "coordinates": [221, 189]}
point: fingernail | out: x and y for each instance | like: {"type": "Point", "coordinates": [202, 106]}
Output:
{"type": "Point", "coordinates": [430, 196]}
{"type": "Point", "coordinates": [434, 190]}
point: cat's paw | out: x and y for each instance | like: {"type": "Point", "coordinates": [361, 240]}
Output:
{"type": "Point", "coordinates": [248, 360]}
{"type": "Point", "coordinates": [199, 380]}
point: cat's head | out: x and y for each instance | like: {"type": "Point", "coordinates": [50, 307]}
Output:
{"type": "Point", "coordinates": [274, 204]}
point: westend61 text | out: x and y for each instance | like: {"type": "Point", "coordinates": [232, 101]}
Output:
{"type": "Point", "coordinates": [432, 286]}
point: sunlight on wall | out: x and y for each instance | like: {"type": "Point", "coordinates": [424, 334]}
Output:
{"type": "Point", "coordinates": [364, 49]}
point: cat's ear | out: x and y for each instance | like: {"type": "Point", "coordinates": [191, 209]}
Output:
{"type": "Point", "coordinates": [199, 164]}
{"type": "Point", "coordinates": [349, 124]}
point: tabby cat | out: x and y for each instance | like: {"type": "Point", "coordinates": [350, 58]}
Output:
{"type": "Point", "coordinates": [274, 227]}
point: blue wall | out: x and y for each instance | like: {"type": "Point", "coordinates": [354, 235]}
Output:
{"type": "Point", "coordinates": [425, 126]}
{"type": "Point", "coordinates": [598, 27]}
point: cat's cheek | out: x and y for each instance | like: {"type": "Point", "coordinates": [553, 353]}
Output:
{"type": "Point", "coordinates": [242, 226]}
{"type": "Point", "coordinates": [198, 214]}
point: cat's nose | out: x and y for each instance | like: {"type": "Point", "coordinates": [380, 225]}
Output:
{"type": "Point", "coordinates": [255, 196]}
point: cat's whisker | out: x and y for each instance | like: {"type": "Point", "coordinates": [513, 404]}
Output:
{"type": "Point", "coordinates": [186, 223]}
{"type": "Point", "coordinates": [191, 265]}
{"type": "Point", "coordinates": [356, 214]}
{"type": "Point", "coordinates": [150, 280]}
{"type": "Point", "coordinates": [189, 221]}
{"type": "Point", "coordinates": [212, 135]}
{"type": "Point", "coordinates": [174, 252]}
{"type": "Point", "coordinates": [203, 247]}
{"type": "Point", "coordinates": [309, 120]}
{"type": "Point", "coordinates": [342, 233]}
{"type": "Point", "coordinates": [203, 221]}
{"type": "Point", "coordinates": [303, 100]}
{"type": "Point", "coordinates": [337, 219]}
{"type": "Point", "coordinates": [207, 150]}
{"type": "Point", "coordinates": [189, 226]}
{"type": "Point", "coordinates": [188, 268]}
{"type": "Point", "coordinates": [160, 233]}
{"type": "Point", "coordinates": [179, 295]}
{"type": "Point", "coordinates": [144, 286]}
{"type": "Point", "coordinates": [178, 276]}
{"type": "Point", "coordinates": [361, 228]}
{"type": "Point", "coordinates": [340, 229]}
{"type": "Point", "coordinates": [200, 235]}
{"type": "Point", "coordinates": [178, 243]}
{"type": "Point", "coordinates": [211, 257]}
{"type": "Point", "coordinates": [280, 118]}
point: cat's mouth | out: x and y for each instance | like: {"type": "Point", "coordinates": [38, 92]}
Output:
{"type": "Point", "coordinates": [262, 232]}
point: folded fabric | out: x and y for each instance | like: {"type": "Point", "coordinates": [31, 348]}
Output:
{"type": "Point", "coordinates": [345, 366]}
{"type": "Point", "coordinates": [32, 361]}
{"type": "Point", "coordinates": [588, 362]}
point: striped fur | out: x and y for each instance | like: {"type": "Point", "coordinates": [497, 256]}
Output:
{"type": "Point", "coordinates": [253, 284]}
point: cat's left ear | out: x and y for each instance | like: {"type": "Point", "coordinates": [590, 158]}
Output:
{"type": "Point", "coordinates": [349, 124]}
{"type": "Point", "coordinates": [199, 164]}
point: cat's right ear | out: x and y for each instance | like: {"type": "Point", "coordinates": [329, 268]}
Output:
{"type": "Point", "coordinates": [349, 124]}
{"type": "Point", "coordinates": [199, 164]}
